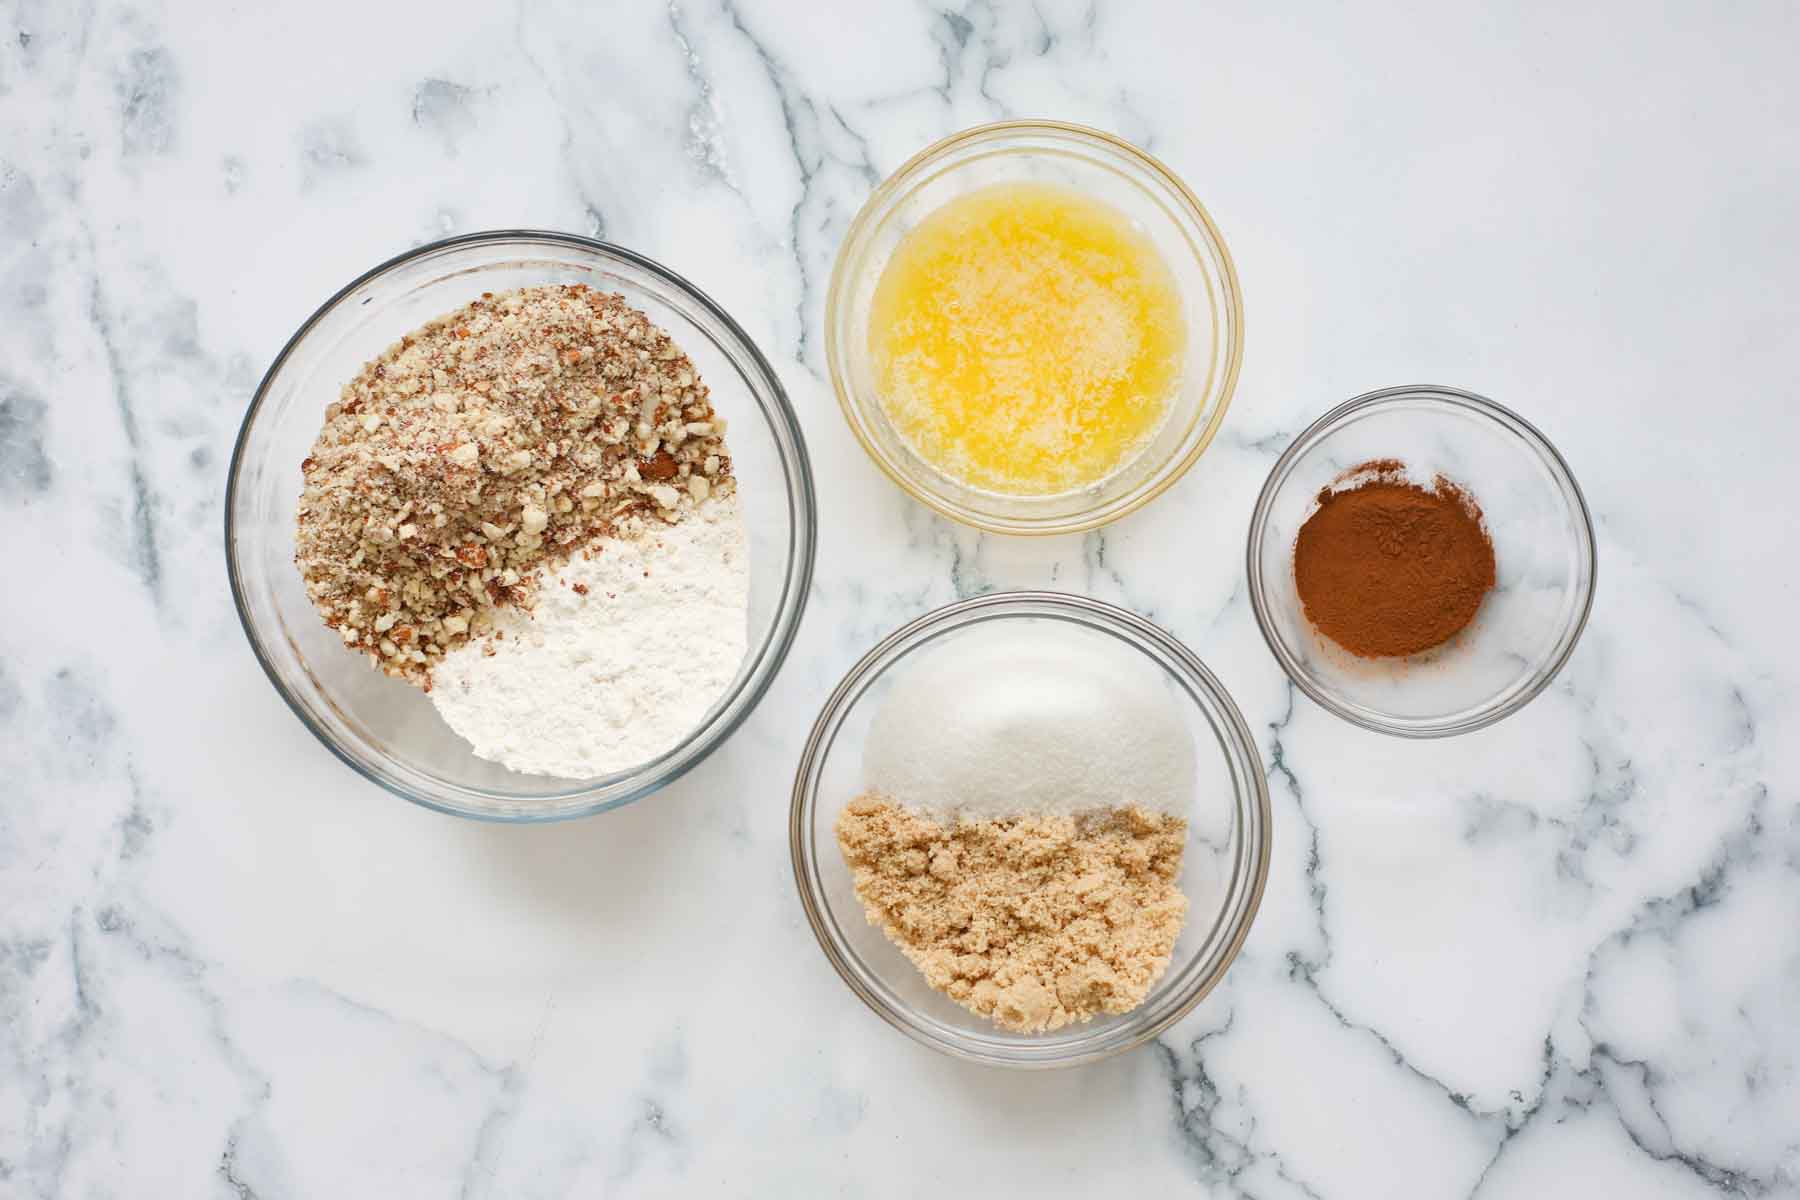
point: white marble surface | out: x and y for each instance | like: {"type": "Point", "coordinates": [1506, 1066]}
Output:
{"type": "Point", "coordinates": [1557, 958]}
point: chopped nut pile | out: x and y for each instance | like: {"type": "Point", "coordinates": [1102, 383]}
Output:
{"type": "Point", "coordinates": [485, 446]}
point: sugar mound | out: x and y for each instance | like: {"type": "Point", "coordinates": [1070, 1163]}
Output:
{"type": "Point", "coordinates": [1044, 718]}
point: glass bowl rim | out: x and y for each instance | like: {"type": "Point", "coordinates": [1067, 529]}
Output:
{"type": "Point", "coordinates": [797, 577]}
{"type": "Point", "coordinates": [1092, 614]}
{"type": "Point", "coordinates": [1443, 397]}
{"type": "Point", "coordinates": [1231, 300]}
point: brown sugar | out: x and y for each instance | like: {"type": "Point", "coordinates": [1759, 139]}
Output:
{"type": "Point", "coordinates": [1035, 921]}
{"type": "Point", "coordinates": [1387, 568]}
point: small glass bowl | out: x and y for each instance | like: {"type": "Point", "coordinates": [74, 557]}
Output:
{"type": "Point", "coordinates": [1224, 867]}
{"type": "Point", "coordinates": [1543, 550]}
{"type": "Point", "coordinates": [386, 729]}
{"type": "Point", "coordinates": [1108, 169]}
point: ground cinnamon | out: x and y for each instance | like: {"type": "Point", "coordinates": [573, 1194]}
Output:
{"type": "Point", "coordinates": [1387, 568]}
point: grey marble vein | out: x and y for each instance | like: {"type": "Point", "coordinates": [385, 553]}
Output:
{"type": "Point", "coordinates": [145, 556]}
{"type": "Point", "coordinates": [810, 141]}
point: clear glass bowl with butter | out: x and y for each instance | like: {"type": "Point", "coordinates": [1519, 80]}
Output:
{"type": "Point", "coordinates": [1224, 866]}
{"type": "Point", "coordinates": [1156, 207]}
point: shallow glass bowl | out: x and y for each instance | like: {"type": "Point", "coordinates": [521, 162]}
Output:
{"type": "Point", "coordinates": [1544, 561]}
{"type": "Point", "coordinates": [1106, 168]}
{"type": "Point", "coordinates": [1224, 866]}
{"type": "Point", "coordinates": [388, 730]}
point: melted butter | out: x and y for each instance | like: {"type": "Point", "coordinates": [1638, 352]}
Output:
{"type": "Point", "coordinates": [1027, 339]}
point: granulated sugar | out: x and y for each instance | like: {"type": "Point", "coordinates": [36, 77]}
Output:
{"type": "Point", "coordinates": [1044, 719]}
{"type": "Point", "coordinates": [629, 645]}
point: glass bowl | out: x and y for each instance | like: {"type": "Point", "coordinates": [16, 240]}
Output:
{"type": "Point", "coordinates": [1102, 166]}
{"type": "Point", "coordinates": [388, 730]}
{"type": "Point", "coordinates": [1225, 864]}
{"type": "Point", "coordinates": [1543, 539]}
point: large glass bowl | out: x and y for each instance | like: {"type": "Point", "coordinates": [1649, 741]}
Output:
{"type": "Point", "coordinates": [388, 730]}
{"type": "Point", "coordinates": [1544, 561]}
{"type": "Point", "coordinates": [1224, 867]}
{"type": "Point", "coordinates": [1157, 202]}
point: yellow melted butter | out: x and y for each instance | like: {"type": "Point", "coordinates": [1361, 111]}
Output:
{"type": "Point", "coordinates": [1026, 339]}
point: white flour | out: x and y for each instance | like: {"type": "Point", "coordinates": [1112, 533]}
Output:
{"type": "Point", "coordinates": [1037, 719]}
{"type": "Point", "coordinates": [585, 685]}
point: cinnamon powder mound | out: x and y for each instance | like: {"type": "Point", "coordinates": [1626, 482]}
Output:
{"type": "Point", "coordinates": [1387, 568]}
{"type": "Point", "coordinates": [1035, 921]}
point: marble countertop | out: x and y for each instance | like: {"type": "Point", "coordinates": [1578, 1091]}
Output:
{"type": "Point", "coordinates": [1557, 957]}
